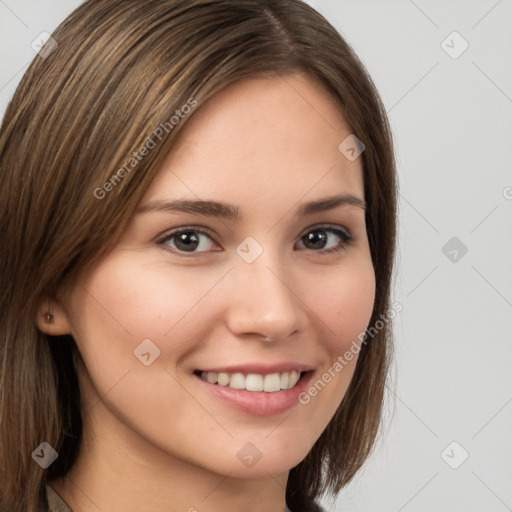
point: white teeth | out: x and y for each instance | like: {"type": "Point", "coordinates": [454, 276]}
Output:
{"type": "Point", "coordinates": [212, 377]}
{"type": "Point", "coordinates": [223, 379]}
{"type": "Point", "coordinates": [294, 377]}
{"type": "Point", "coordinates": [272, 383]}
{"type": "Point", "coordinates": [237, 381]}
{"type": "Point", "coordinates": [253, 381]}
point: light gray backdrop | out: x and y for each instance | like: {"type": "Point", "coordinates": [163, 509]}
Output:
{"type": "Point", "coordinates": [444, 71]}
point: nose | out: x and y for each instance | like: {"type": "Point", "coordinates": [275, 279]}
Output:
{"type": "Point", "coordinates": [262, 300]}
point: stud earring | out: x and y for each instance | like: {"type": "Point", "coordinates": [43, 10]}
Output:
{"type": "Point", "coordinates": [49, 318]}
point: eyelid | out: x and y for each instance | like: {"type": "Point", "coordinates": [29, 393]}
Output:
{"type": "Point", "coordinates": [180, 229]}
{"type": "Point", "coordinates": [333, 227]}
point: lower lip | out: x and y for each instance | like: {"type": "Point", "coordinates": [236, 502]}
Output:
{"type": "Point", "coordinates": [259, 403]}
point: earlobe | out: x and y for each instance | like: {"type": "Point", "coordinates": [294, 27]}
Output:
{"type": "Point", "coordinates": [52, 319]}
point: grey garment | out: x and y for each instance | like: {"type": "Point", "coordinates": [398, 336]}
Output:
{"type": "Point", "coordinates": [55, 502]}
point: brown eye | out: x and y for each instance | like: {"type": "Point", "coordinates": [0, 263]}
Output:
{"type": "Point", "coordinates": [319, 240]}
{"type": "Point", "coordinates": [188, 241]}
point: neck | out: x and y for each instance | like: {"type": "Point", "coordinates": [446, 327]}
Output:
{"type": "Point", "coordinates": [117, 470]}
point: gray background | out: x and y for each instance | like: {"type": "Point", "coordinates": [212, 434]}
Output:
{"type": "Point", "coordinates": [452, 123]}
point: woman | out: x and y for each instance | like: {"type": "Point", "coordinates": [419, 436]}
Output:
{"type": "Point", "coordinates": [198, 227]}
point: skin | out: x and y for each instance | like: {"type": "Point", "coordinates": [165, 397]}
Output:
{"type": "Point", "coordinates": [154, 439]}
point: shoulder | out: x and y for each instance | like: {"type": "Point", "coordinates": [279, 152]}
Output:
{"type": "Point", "coordinates": [54, 502]}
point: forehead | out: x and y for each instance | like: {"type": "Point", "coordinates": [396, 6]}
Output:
{"type": "Point", "coordinates": [268, 138]}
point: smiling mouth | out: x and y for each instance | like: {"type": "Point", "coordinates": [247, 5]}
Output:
{"type": "Point", "coordinates": [269, 383]}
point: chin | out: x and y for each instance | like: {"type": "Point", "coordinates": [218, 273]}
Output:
{"type": "Point", "coordinates": [258, 459]}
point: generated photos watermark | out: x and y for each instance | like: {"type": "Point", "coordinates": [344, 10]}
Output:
{"type": "Point", "coordinates": [343, 360]}
{"type": "Point", "coordinates": [138, 156]}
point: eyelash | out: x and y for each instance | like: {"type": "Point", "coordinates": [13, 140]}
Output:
{"type": "Point", "coordinates": [346, 239]}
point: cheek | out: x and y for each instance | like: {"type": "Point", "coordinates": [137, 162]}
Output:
{"type": "Point", "coordinates": [125, 301]}
{"type": "Point", "coordinates": [346, 304]}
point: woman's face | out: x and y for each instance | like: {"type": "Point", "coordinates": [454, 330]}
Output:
{"type": "Point", "coordinates": [191, 290]}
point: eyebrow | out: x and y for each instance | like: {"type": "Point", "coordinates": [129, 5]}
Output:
{"type": "Point", "coordinates": [231, 212]}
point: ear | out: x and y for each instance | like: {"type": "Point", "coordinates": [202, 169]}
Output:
{"type": "Point", "coordinates": [52, 318]}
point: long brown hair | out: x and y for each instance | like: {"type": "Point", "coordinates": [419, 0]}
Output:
{"type": "Point", "coordinates": [120, 70]}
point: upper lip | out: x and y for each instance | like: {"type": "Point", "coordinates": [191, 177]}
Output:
{"type": "Point", "coordinates": [259, 368]}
